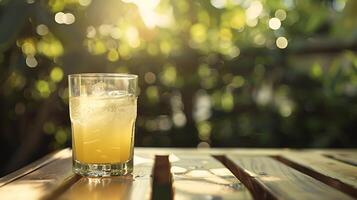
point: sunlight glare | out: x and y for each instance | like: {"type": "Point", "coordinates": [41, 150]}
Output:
{"type": "Point", "coordinates": [198, 173]}
{"type": "Point", "coordinates": [178, 170]}
{"type": "Point", "coordinates": [132, 37]}
{"type": "Point", "coordinates": [141, 160]}
{"type": "Point", "coordinates": [221, 172]}
{"type": "Point", "coordinates": [150, 16]}
{"type": "Point", "coordinates": [173, 158]}
{"type": "Point", "coordinates": [254, 10]}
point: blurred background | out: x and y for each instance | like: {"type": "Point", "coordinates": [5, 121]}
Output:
{"type": "Point", "coordinates": [218, 73]}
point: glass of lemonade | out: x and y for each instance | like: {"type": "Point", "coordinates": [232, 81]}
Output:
{"type": "Point", "coordinates": [103, 109]}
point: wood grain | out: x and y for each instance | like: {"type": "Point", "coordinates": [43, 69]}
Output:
{"type": "Point", "coordinates": [196, 175]}
{"type": "Point", "coordinates": [136, 186]}
{"type": "Point", "coordinates": [41, 182]}
{"type": "Point", "coordinates": [332, 172]}
{"type": "Point", "coordinates": [284, 182]}
{"type": "Point", "coordinates": [346, 157]}
{"type": "Point", "coordinates": [203, 177]}
{"type": "Point", "coordinates": [257, 190]}
{"type": "Point", "coordinates": [209, 151]}
{"type": "Point", "coordinates": [33, 166]}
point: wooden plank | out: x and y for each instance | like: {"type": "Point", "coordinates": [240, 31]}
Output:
{"type": "Point", "coordinates": [216, 151]}
{"type": "Point", "coordinates": [42, 182]}
{"type": "Point", "coordinates": [346, 157]}
{"type": "Point", "coordinates": [33, 166]}
{"type": "Point", "coordinates": [203, 177]}
{"type": "Point", "coordinates": [332, 172]}
{"type": "Point", "coordinates": [284, 182]}
{"type": "Point", "coordinates": [135, 186]}
{"type": "Point", "coordinates": [51, 176]}
{"type": "Point", "coordinates": [248, 151]}
{"type": "Point", "coordinates": [143, 164]}
{"type": "Point", "coordinates": [258, 191]}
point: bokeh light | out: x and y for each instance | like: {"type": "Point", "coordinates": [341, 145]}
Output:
{"type": "Point", "coordinates": [150, 77]}
{"type": "Point", "coordinates": [281, 42]}
{"type": "Point", "coordinates": [56, 74]}
{"type": "Point", "coordinates": [274, 23]}
{"type": "Point", "coordinates": [211, 73]}
{"type": "Point", "coordinates": [84, 2]}
{"type": "Point", "coordinates": [42, 29]}
{"type": "Point", "coordinates": [64, 18]}
{"type": "Point", "coordinates": [31, 61]}
{"type": "Point", "coordinates": [254, 10]}
{"type": "Point", "coordinates": [219, 3]}
{"type": "Point", "coordinates": [280, 14]}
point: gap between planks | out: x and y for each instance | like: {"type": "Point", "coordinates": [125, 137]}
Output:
{"type": "Point", "coordinates": [267, 178]}
{"type": "Point", "coordinates": [257, 190]}
{"type": "Point", "coordinates": [162, 182]}
{"type": "Point", "coordinates": [162, 179]}
{"type": "Point", "coordinates": [194, 176]}
{"type": "Point", "coordinates": [310, 168]}
{"type": "Point", "coordinates": [259, 186]}
{"type": "Point", "coordinates": [348, 158]}
{"type": "Point", "coordinates": [202, 177]}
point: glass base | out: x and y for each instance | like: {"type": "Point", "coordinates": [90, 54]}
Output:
{"type": "Point", "coordinates": [102, 170]}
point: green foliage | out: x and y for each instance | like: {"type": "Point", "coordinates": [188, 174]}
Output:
{"type": "Point", "coordinates": [211, 72]}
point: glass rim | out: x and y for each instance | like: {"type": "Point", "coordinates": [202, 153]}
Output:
{"type": "Point", "coordinates": [103, 75]}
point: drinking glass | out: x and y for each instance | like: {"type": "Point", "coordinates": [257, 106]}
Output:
{"type": "Point", "coordinates": [103, 109]}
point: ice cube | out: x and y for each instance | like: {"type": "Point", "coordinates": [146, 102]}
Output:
{"type": "Point", "coordinates": [117, 93]}
{"type": "Point", "coordinates": [98, 89]}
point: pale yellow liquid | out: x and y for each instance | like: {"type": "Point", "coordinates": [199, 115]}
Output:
{"type": "Point", "coordinates": [102, 128]}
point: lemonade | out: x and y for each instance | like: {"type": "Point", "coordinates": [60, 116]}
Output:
{"type": "Point", "coordinates": [103, 112]}
{"type": "Point", "coordinates": [102, 128]}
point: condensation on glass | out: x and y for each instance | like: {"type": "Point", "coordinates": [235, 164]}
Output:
{"type": "Point", "coordinates": [103, 109]}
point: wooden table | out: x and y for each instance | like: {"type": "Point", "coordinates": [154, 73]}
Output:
{"type": "Point", "coordinates": [196, 174]}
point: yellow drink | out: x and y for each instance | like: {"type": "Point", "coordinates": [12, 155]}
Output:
{"type": "Point", "coordinates": [102, 128]}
